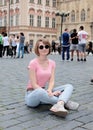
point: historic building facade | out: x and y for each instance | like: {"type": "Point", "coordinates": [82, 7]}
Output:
{"type": "Point", "coordinates": [80, 13]}
{"type": "Point", "coordinates": [36, 18]}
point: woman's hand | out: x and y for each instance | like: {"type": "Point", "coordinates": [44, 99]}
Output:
{"type": "Point", "coordinates": [56, 93]}
{"type": "Point", "coordinates": [50, 93]}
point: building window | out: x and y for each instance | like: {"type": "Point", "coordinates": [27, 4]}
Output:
{"type": "Point", "coordinates": [1, 21]}
{"type": "Point", "coordinates": [31, 1]}
{"type": "Point", "coordinates": [11, 20]}
{"type": "Point", "coordinates": [73, 16]}
{"type": "Point", "coordinates": [88, 13]}
{"type": "Point", "coordinates": [53, 22]}
{"type": "Point", "coordinates": [47, 2]}
{"type": "Point", "coordinates": [77, 15]}
{"type": "Point", "coordinates": [47, 22]}
{"type": "Point", "coordinates": [17, 1]}
{"type": "Point", "coordinates": [5, 20]}
{"type": "Point", "coordinates": [11, 1]}
{"type": "Point", "coordinates": [31, 20]}
{"type": "Point", "coordinates": [39, 2]}
{"type": "Point", "coordinates": [1, 3]}
{"type": "Point", "coordinates": [54, 3]}
{"type": "Point", "coordinates": [83, 15]}
{"type": "Point", "coordinates": [17, 19]}
{"type": "Point", "coordinates": [5, 2]}
{"type": "Point", "coordinates": [38, 21]}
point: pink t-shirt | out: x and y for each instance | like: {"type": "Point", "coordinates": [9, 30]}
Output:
{"type": "Point", "coordinates": [42, 75]}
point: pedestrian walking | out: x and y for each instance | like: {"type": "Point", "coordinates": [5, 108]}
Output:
{"type": "Point", "coordinates": [17, 43]}
{"type": "Point", "coordinates": [65, 45]}
{"type": "Point", "coordinates": [74, 44]}
{"type": "Point", "coordinates": [53, 47]}
{"type": "Point", "coordinates": [1, 45]}
{"type": "Point", "coordinates": [41, 72]}
{"type": "Point", "coordinates": [26, 51]}
{"type": "Point", "coordinates": [89, 48]}
{"type": "Point", "coordinates": [6, 45]}
{"type": "Point", "coordinates": [83, 36]}
{"type": "Point", "coordinates": [14, 45]}
{"type": "Point", "coordinates": [21, 45]}
{"type": "Point", "coordinates": [30, 47]}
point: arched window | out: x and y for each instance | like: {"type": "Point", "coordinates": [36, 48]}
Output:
{"type": "Point", "coordinates": [31, 1]}
{"type": "Point", "coordinates": [82, 15]}
{"type": "Point", "coordinates": [39, 2]}
{"type": "Point", "coordinates": [73, 16]}
{"type": "Point", "coordinates": [11, 1]}
{"type": "Point", "coordinates": [47, 2]}
{"type": "Point", "coordinates": [88, 13]}
{"type": "Point", "coordinates": [53, 23]}
{"type": "Point", "coordinates": [38, 21]}
{"type": "Point", "coordinates": [17, 1]}
{"type": "Point", "coordinates": [54, 3]}
{"type": "Point", "coordinates": [31, 20]}
{"type": "Point", "coordinates": [77, 15]}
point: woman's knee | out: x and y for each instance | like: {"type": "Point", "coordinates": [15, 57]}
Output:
{"type": "Point", "coordinates": [69, 86]}
{"type": "Point", "coordinates": [33, 99]}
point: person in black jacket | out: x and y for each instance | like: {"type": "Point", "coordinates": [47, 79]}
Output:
{"type": "Point", "coordinates": [74, 44]}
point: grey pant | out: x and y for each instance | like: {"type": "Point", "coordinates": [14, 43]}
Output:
{"type": "Point", "coordinates": [40, 96]}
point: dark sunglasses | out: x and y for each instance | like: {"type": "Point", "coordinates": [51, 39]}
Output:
{"type": "Point", "coordinates": [42, 47]}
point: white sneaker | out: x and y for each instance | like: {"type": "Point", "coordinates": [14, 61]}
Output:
{"type": "Point", "coordinates": [59, 110]}
{"type": "Point", "coordinates": [72, 105]}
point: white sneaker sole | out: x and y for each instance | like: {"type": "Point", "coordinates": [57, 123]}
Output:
{"type": "Point", "coordinates": [60, 113]}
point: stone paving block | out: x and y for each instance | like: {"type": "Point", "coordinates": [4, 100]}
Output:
{"type": "Point", "coordinates": [86, 119]}
{"type": "Point", "coordinates": [78, 114]}
{"type": "Point", "coordinates": [80, 128]}
{"type": "Point", "coordinates": [88, 126]}
{"type": "Point", "coordinates": [67, 126]}
{"type": "Point", "coordinates": [14, 128]}
{"type": "Point", "coordinates": [9, 123]}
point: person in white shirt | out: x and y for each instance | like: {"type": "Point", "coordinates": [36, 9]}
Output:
{"type": "Point", "coordinates": [82, 36]}
{"type": "Point", "coordinates": [5, 44]}
{"type": "Point", "coordinates": [14, 45]}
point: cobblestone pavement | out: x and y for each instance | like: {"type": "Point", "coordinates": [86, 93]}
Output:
{"type": "Point", "coordinates": [15, 115]}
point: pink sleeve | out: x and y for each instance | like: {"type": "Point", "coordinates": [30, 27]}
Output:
{"type": "Point", "coordinates": [53, 63]}
{"type": "Point", "coordinates": [32, 65]}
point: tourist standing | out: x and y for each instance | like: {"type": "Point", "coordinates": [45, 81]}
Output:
{"type": "Point", "coordinates": [14, 45]}
{"type": "Point", "coordinates": [65, 45]}
{"type": "Point", "coordinates": [74, 44]}
{"type": "Point", "coordinates": [1, 45]}
{"type": "Point", "coordinates": [82, 36]}
{"type": "Point", "coordinates": [21, 45]}
{"type": "Point", "coordinates": [6, 45]}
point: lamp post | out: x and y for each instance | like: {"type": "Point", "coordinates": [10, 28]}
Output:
{"type": "Point", "coordinates": [8, 17]}
{"type": "Point", "coordinates": [62, 15]}
{"type": "Point", "coordinates": [91, 26]}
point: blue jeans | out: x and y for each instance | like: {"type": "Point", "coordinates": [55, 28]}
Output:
{"type": "Point", "coordinates": [21, 48]}
{"type": "Point", "coordinates": [40, 96]}
{"type": "Point", "coordinates": [65, 49]}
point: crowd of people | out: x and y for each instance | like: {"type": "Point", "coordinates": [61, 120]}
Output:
{"type": "Point", "coordinates": [74, 42]}
{"type": "Point", "coordinates": [14, 45]}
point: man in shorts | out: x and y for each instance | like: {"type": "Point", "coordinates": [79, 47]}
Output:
{"type": "Point", "coordinates": [82, 36]}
